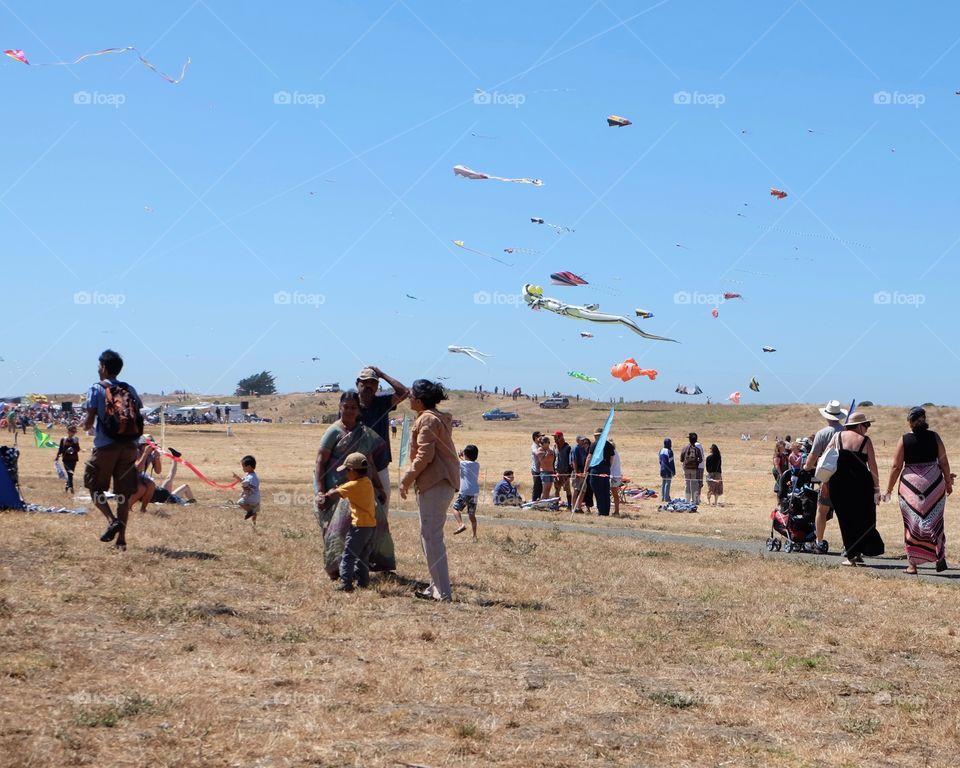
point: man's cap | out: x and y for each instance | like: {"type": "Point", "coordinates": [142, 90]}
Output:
{"type": "Point", "coordinates": [368, 374]}
{"type": "Point", "coordinates": [558, 433]}
{"type": "Point", "coordinates": [353, 461]}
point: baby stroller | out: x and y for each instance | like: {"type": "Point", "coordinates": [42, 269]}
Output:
{"type": "Point", "coordinates": [795, 515]}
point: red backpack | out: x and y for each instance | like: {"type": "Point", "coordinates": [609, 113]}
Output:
{"type": "Point", "coordinates": [122, 419]}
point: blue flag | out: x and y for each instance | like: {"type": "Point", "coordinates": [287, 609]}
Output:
{"type": "Point", "coordinates": [601, 441]}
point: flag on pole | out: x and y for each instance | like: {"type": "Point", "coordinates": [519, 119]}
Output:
{"type": "Point", "coordinates": [601, 441]}
{"type": "Point", "coordinates": [404, 439]}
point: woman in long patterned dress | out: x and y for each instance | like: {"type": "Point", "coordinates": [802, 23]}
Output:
{"type": "Point", "coordinates": [920, 463]}
{"type": "Point", "coordinates": [345, 436]}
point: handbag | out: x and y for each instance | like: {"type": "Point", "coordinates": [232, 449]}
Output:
{"type": "Point", "coordinates": [827, 463]}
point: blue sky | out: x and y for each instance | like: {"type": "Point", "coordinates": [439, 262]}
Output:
{"type": "Point", "coordinates": [281, 202]}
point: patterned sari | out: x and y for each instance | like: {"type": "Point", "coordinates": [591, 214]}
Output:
{"type": "Point", "coordinates": [334, 517]}
{"type": "Point", "coordinates": [923, 497]}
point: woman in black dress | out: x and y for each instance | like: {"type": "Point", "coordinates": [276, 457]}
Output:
{"type": "Point", "coordinates": [855, 491]}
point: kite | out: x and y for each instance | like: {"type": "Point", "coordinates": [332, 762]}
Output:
{"type": "Point", "coordinates": [476, 354]}
{"type": "Point", "coordinates": [558, 228]}
{"type": "Point", "coordinates": [769, 349]}
{"type": "Point", "coordinates": [629, 369]}
{"type": "Point", "coordinates": [643, 313]}
{"type": "Point", "coordinates": [754, 385]}
{"type": "Point", "coordinates": [42, 439]}
{"type": "Point", "coordinates": [715, 312]}
{"type": "Point", "coordinates": [778, 193]}
{"type": "Point", "coordinates": [527, 251]}
{"type": "Point", "coordinates": [533, 295]}
{"type": "Point", "coordinates": [175, 456]}
{"type": "Point", "coordinates": [619, 122]}
{"type": "Point", "coordinates": [683, 389]}
{"type": "Point", "coordinates": [583, 377]}
{"type": "Point", "coordinates": [734, 398]}
{"type": "Point", "coordinates": [567, 278]}
{"type": "Point", "coordinates": [18, 55]}
{"type": "Point", "coordinates": [586, 335]}
{"type": "Point", "coordinates": [729, 295]}
{"type": "Point", "coordinates": [467, 173]}
{"type": "Point", "coordinates": [461, 244]}
{"type": "Point", "coordinates": [409, 296]}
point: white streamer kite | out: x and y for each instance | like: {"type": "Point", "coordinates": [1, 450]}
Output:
{"type": "Point", "coordinates": [476, 354]}
{"type": "Point", "coordinates": [468, 173]}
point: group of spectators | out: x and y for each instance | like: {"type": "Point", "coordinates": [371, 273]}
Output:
{"type": "Point", "coordinates": [920, 473]}
{"type": "Point", "coordinates": [697, 466]}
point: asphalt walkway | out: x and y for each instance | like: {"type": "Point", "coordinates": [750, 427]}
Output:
{"type": "Point", "coordinates": [889, 566]}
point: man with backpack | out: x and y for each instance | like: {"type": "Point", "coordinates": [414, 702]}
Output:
{"type": "Point", "coordinates": [691, 457]}
{"type": "Point", "coordinates": [114, 406]}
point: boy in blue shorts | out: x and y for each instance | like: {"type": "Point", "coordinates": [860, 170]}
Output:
{"type": "Point", "coordinates": [358, 490]}
{"type": "Point", "coordinates": [469, 489]}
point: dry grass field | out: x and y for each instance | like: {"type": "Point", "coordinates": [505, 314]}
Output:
{"type": "Point", "coordinates": [211, 643]}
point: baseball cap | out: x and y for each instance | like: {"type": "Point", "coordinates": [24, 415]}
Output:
{"type": "Point", "coordinates": [353, 461]}
{"type": "Point", "coordinates": [558, 433]}
{"type": "Point", "coordinates": [367, 374]}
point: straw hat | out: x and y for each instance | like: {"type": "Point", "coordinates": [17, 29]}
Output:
{"type": "Point", "coordinates": [858, 418]}
{"type": "Point", "coordinates": [833, 411]}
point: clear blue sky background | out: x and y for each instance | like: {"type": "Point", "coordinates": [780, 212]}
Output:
{"type": "Point", "coordinates": [354, 199]}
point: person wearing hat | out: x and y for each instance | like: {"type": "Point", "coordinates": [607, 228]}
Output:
{"type": "Point", "coordinates": [599, 475]}
{"type": "Point", "coordinates": [357, 547]}
{"type": "Point", "coordinates": [855, 491]}
{"type": "Point", "coordinates": [581, 488]}
{"type": "Point", "coordinates": [375, 413]}
{"type": "Point", "coordinates": [834, 414]}
{"type": "Point", "coordinates": [562, 466]}
{"type": "Point", "coordinates": [920, 465]}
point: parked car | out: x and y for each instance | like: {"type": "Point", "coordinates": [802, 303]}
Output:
{"type": "Point", "coordinates": [555, 402]}
{"type": "Point", "coordinates": [497, 415]}
{"type": "Point", "coordinates": [328, 388]}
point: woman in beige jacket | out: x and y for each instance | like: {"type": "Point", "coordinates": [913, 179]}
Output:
{"type": "Point", "coordinates": [435, 471]}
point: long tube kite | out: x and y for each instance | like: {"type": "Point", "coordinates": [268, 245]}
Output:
{"type": "Point", "coordinates": [462, 244]}
{"type": "Point", "coordinates": [18, 55]}
{"type": "Point", "coordinates": [476, 354]}
{"type": "Point", "coordinates": [533, 295]}
{"type": "Point", "coordinates": [469, 173]}
{"type": "Point", "coordinates": [583, 377]}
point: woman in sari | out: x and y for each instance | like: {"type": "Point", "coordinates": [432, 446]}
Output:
{"type": "Point", "coordinates": [855, 491]}
{"type": "Point", "coordinates": [920, 464]}
{"type": "Point", "coordinates": [345, 436]}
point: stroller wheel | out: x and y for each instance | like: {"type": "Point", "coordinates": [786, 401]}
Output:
{"type": "Point", "coordinates": [788, 547]}
{"type": "Point", "coordinates": [771, 544]}
{"type": "Point", "coordinates": [777, 544]}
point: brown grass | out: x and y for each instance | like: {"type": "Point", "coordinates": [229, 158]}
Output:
{"type": "Point", "coordinates": [211, 644]}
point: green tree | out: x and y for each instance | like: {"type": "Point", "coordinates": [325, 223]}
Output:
{"type": "Point", "coordinates": [261, 383]}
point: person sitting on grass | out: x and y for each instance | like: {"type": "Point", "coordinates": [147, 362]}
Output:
{"type": "Point", "coordinates": [469, 489]}
{"type": "Point", "coordinates": [249, 500]}
{"type": "Point", "coordinates": [358, 490]}
{"type": "Point", "coordinates": [164, 493]}
{"type": "Point", "coordinates": [505, 493]}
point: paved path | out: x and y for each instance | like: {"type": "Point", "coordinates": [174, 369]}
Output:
{"type": "Point", "coordinates": [882, 566]}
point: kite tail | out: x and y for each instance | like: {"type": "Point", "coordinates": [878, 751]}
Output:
{"type": "Point", "coordinates": [193, 469]}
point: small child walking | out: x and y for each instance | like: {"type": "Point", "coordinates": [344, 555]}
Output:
{"type": "Point", "coordinates": [70, 451]}
{"type": "Point", "coordinates": [358, 490]}
{"type": "Point", "coordinates": [249, 500]}
{"type": "Point", "coordinates": [469, 489]}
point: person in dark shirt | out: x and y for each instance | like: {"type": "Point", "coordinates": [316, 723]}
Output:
{"type": "Point", "coordinates": [375, 413]}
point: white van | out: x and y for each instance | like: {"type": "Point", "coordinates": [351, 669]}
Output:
{"type": "Point", "coordinates": [328, 388]}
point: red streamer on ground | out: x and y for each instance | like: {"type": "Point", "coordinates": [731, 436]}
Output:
{"type": "Point", "coordinates": [193, 469]}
